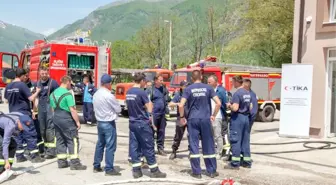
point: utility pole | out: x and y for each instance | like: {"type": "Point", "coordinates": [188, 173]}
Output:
{"type": "Point", "coordinates": [170, 43]}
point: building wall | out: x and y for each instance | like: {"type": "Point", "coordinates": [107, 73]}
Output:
{"type": "Point", "coordinates": [316, 39]}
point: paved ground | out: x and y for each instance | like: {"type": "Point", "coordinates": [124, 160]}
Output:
{"type": "Point", "coordinates": [314, 167]}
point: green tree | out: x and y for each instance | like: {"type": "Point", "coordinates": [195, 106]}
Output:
{"type": "Point", "coordinates": [268, 28]}
{"type": "Point", "coordinates": [125, 54]}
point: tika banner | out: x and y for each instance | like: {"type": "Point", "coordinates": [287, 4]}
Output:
{"type": "Point", "coordinates": [296, 95]}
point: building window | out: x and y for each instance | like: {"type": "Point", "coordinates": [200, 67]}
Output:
{"type": "Point", "coordinates": [332, 10]}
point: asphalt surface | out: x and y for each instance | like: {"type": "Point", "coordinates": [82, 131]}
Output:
{"type": "Point", "coordinates": [315, 167]}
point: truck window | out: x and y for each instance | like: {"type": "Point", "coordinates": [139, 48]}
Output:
{"type": "Point", "coordinates": [150, 75]}
{"type": "Point", "coordinates": [206, 76]}
{"type": "Point", "coordinates": [9, 62]}
{"type": "Point", "coordinates": [166, 77]}
{"type": "Point", "coordinates": [178, 77]}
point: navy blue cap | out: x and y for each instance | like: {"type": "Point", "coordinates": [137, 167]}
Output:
{"type": "Point", "coordinates": [25, 119]}
{"type": "Point", "coordinates": [106, 79]}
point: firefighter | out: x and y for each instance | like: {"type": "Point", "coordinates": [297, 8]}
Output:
{"type": "Point", "coordinates": [239, 125]}
{"type": "Point", "coordinates": [220, 120]}
{"type": "Point", "coordinates": [198, 98]}
{"type": "Point", "coordinates": [88, 90]}
{"type": "Point", "coordinates": [47, 86]}
{"type": "Point", "coordinates": [19, 97]}
{"type": "Point", "coordinates": [158, 96]}
{"type": "Point", "coordinates": [66, 124]}
{"type": "Point", "coordinates": [179, 129]}
{"type": "Point", "coordinates": [10, 126]}
{"type": "Point", "coordinates": [141, 133]}
{"type": "Point", "coordinates": [254, 101]}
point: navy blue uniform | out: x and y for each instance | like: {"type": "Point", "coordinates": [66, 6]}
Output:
{"type": "Point", "coordinates": [45, 115]}
{"type": "Point", "coordinates": [141, 133]}
{"type": "Point", "coordinates": [158, 99]}
{"type": "Point", "coordinates": [198, 98]}
{"type": "Point", "coordinates": [239, 128]}
{"type": "Point", "coordinates": [17, 94]}
{"type": "Point", "coordinates": [254, 111]}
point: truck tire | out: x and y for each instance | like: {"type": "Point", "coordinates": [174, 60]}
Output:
{"type": "Point", "coordinates": [124, 113]}
{"type": "Point", "coordinates": [267, 113]}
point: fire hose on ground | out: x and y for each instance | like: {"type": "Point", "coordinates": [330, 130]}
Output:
{"type": "Point", "coordinates": [326, 145]}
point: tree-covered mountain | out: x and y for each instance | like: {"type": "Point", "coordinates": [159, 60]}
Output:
{"type": "Point", "coordinates": [14, 38]}
{"type": "Point", "coordinates": [236, 31]}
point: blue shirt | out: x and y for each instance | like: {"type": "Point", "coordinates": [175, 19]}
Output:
{"type": "Point", "coordinates": [87, 95]}
{"type": "Point", "coordinates": [221, 93]}
{"type": "Point", "coordinates": [243, 98]}
{"type": "Point", "coordinates": [254, 102]}
{"type": "Point", "coordinates": [17, 94]}
{"type": "Point", "coordinates": [9, 127]}
{"type": "Point", "coordinates": [136, 99]}
{"type": "Point", "coordinates": [177, 99]}
{"type": "Point", "coordinates": [198, 96]}
{"type": "Point", "coordinates": [159, 101]}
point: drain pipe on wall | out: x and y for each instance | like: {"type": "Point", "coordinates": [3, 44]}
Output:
{"type": "Point", "coordinates": [301, 24]}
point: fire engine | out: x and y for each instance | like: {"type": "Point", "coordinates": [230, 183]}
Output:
{"type": "Point", "coordinates": [122, 88]}
{"type": "Point", "coordinates": [266, 82]}
{"type": "Point", "coordinates": [73, 56]}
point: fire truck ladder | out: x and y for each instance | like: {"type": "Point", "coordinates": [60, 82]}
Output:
{"type": "Point", "coordinates": [240, 67]}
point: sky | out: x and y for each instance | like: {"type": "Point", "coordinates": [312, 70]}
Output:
{"type": "Point", "coordinates": [45, 16]}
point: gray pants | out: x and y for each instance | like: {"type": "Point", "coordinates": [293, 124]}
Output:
{"type": "Point", "coordinates": [47, 129]}
{"type": "Point", "coordinates": [217, 133]}
{"type": "Point", "coordinates": [67, 138]}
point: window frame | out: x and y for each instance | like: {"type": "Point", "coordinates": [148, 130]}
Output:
{"type": "Point", "coordinates": [332, 13]}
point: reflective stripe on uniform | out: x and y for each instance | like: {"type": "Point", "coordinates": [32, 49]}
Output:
{"type": "Point", "coordinates": [24, 145]}
{"type": "Point", "coordinates": [11, 160]}
{"type": "Point", "coordinates": [136, 165]}
{"type": "Point", "coordinates": [51, 145]}
{"type": "Point", "coordinates": [195, 155]}
{"type": "Point", "coordinates": [235, 158]}
{"type": "Point", "coordinates": [40, 143]}
{"type": "Point", "coordinates": [153, 165]}
{"type": "Point", "coordinates": [209, 156]}
{"type": "Point", "coordinates": [62, 156]}
{"type": "Point", "coordinates": [19, 151]}
{"type": "Point", "coordinates": [75, 155]}
{"type": "Point", "coordinates": [2, 162]}
{"type": "Point", "coordinates": [247, 158]}
{"type": "Point", "coordinates": [34, 151]}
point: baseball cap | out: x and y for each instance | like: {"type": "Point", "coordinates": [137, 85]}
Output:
{"type": "Point", "coordinates": [106, 79]}
{"type": "Point", "coordinates": [183, 83]}
{"type": "Point", "coordinates": [24, 119]}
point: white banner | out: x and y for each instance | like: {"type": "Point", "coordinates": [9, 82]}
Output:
{"type": "Point", "coordinates": [296, 95]}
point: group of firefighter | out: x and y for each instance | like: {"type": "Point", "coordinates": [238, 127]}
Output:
{"type": "Point", "coordinates": [43, 123]}
{"type": "Point", "coordinates": [202, 110]}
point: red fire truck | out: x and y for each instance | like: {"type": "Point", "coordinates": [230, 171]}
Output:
{"type": "Point", "coordinates": [122, 88]}
{"type": "Point", "coordinates": [73, 56]}
{"type": "Point", "coordinates": [266, 82]}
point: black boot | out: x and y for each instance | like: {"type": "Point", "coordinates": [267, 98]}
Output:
{"type": "Point", "coordinates": [137, 174]}
{"type": "Point", "coordinates": [158, 174]}
{"type": "Point", "coordinates": [78, 167]}
{"type": "Point", "coordinates": [172, 155]}
{"type": "Point", "coordinates": [21, 159]}
{"type": "Point", "coordinates": [162, 152]}
{"type": "Point", "coordinates": [37, 159]}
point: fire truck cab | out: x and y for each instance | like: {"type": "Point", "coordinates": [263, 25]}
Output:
{"type": "Point", "coordinates": [266, 82]}
{"type": "Point", "coordinates": [122, 88]}
{"type": "Point", "coordinates": [73, 56]}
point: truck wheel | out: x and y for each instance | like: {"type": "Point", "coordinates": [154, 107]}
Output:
{"type": "Point", "coordinates": [124, 113]}
{"type": "Point", "coordinates": [267, 113]}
